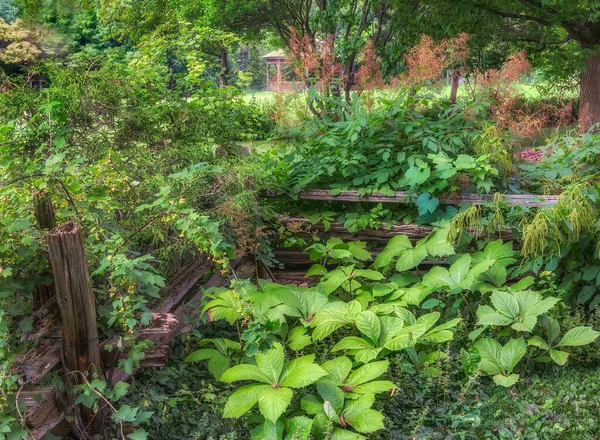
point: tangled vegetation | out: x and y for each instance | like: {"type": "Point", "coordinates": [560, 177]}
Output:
{"type": "Point", "coordinates": [423, 318]}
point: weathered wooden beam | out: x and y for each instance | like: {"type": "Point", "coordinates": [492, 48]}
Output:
{"type": "Point", "coordinates": [524, 200]}
{"type": "Point", "coordinates": [304, 228]}
{"type": "Point", "coordinates": [41, 359]}
{"type": "Point", "coordinates": [46, 219]}
{"type": "Point", "coordinates": [182, 282]}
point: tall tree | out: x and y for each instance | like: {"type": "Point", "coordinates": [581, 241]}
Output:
{"type": "Point", "coordinates": [570, 28]}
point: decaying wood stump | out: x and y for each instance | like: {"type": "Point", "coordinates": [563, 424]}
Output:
{"type": "Point", "coordinates": [75, 300]}
{"type": "Point", "coordinates": [44, 214]}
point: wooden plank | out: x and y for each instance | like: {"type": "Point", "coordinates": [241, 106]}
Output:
{"type": "Point", "coordinates": [305, 229]}
{"type": "Point", "coordinates": [524, 200]}
{"type": "Point", "coordinates": [182, 282]}
{"type": "Point", "coordinates": [44, 409]}
{"type": "Point", "coordinates": [41, 359]}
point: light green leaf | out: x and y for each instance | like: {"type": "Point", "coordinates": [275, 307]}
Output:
{"type": "Point", "coordinates": [506, 381]}
{"type": "Point", "coordinates": [246, 372]}
{"type": "Point", "coordinates": [505, 304]}
{"type": "Point", "coordinates": [367, 373]}
{"type": "Point", "coordinates": [273, 402]}
{"type": "Point", "coordinates": [459, 270]}
{"type": "Point", "coordinates": [437, 277]}
{"type": "Point", "coordinates": [298, 428]}
{"type": "Point", "coordinates": [201, 355]}
{"type": "Point", "coordinates": [368, 324]}
{"type": "Point", "coordinates": [243, 399]}
{"type": "Point", "coordinates": [271, 363]}
{"type": "Point", "coordinates": [536, 341]}
{"type": "Point", "coordinates": [512, 353]}
{"type": "Point", "coordinates": [338, 368]}
{"type": "Point", "coordinates": [488, 316]}
{"type": "Point", "coordinates": [490, 352]}
{"type": "Point", "coordinates": [351, 343]}
{"type": "Point", "coordinates": [411, 258]}
{"type": "Point", "coordinates": [298, 338]}
{"type": "Point", "coordinates": [394, 247]}
{"type": "Point", "coordinates": [437, 243]}
{"type": "Point", "coordinates": [578, 336]}
{"type": "Point", "coordinates": [301, 372]}
{"type": "Point", "coordinates": [559, 356]}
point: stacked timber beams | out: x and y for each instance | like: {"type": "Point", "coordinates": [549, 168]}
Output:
{"type": "Point", "coordinates": [523, 200]}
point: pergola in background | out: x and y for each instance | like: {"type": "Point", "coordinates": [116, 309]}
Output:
{"type": "Point", "coordinates": [279, 81]}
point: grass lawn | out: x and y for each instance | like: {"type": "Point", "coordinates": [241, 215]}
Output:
{"type": "Point", "coordinates": [527, 90]}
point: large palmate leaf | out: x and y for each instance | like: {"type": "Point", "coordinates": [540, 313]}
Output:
{"type": "Point", "coordinates": [275, 395]}
{"type": "Point", "coordinates": [520, 310]}
{"type": "Point", "coordinates": [460, 276]}
{"type": "Point", "coordinates": [499, 360]}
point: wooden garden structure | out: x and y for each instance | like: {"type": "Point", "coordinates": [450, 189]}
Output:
{"type": "Point", "coordinates": [64, 330]}
{"type": "Point", "coordinates": [278, 82]}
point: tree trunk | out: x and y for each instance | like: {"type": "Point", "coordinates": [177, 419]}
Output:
{"type": "Point", "coordinates": [589, 112]}
{"type": "Point", "coordinates": [44, 213]}
{"type": "Point", "coordinates": [454, 90]}
{"type": "Point", "coordinates": [224, 75]}
{"type": "Point", "coordinates": [75, 300]}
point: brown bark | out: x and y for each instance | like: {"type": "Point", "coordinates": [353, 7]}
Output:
{"type": "Point", "coordinates": [44, 213]}
{"type": "Point", "coordinates": [75, 300]}
{"type": "Point", "coordinates": [590, 93]}
{"type": "Point", "coordinates": [454, 89]}
{"type": "Point", "coordinates": [224, 75]}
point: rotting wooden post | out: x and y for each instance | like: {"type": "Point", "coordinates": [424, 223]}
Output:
{"type": "Point", "coordinates": [44, 214]}
{"type": "Point", "coordinates": [75, 300]}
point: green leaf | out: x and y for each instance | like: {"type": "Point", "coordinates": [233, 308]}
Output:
{"type": "Point", "coordinates": [125, 414]}
{"type": "Point", "coordinates": [487, 316]}
{"type": "Point", "coordinates": [365, 421]}
{"type": "Point", "coordinates": [578, 336]}
{"type": "Point", "coordinates": [459, 270]}
{"type": "Point", "coordinates": [138, 434]}
{"type": "Point", "coordinates": [273, 431]}
{"type": "Point", "coordinates": [512, 353]}
{"type": "Point", "coordinates": [394, 247]}
{"type": "Point", "coordinates": [559, 356]}
{"type": "Point", "coordinates": [505, 303]}
{"type": "Point", "coordinates": [298, 338]}
{"type": "Point", "coordinates": [437, 277]}
{"type": "Point", "coordinates": [271, 363]}
{"type": "Point", "coordinates": [437, 243]}
{"type": "Point", "coordinates": [369, 274]}
{"type": "Point", "coordinates": [273, 402]}
{"type": "Point", "coordinates": [506, 381]}
{"type": "Point", "coordinates": [246, 372]}
{"type": "Point", "coordinates": [301, 372]}
{"type": "Point", "coordinates": [311, 404]}
{"type": "Point", "coordinates": [298, 428]}
{"type": "Point", "coordinates": [201, 355]}
{"type": "Point", "coordinates": [367, 373]}
{"type": "Point", "coordinates": [490, 352]}
{"type": "Point", "coordinates": [536, 341]}
{"type": "Point", "coordinates": [411, 258]}
{"type": "Point", "coordinates": [331, 394]}
{"type": "Point", "coordinates": [374, 387]}
{"type": "Point", "coordinates": [338, 368]}
{"type": "Point", "coordinates": [243, 399]}
{"type": "Point", "coordinates": [351, 343]}
{"type": "Point", "coordinates": [219, 365]}
{"type": "Point", "coordinates": [368, 324]}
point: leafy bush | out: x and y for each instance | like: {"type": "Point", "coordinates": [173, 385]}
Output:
{"type": "Point", "coordinates": [369, 316]}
